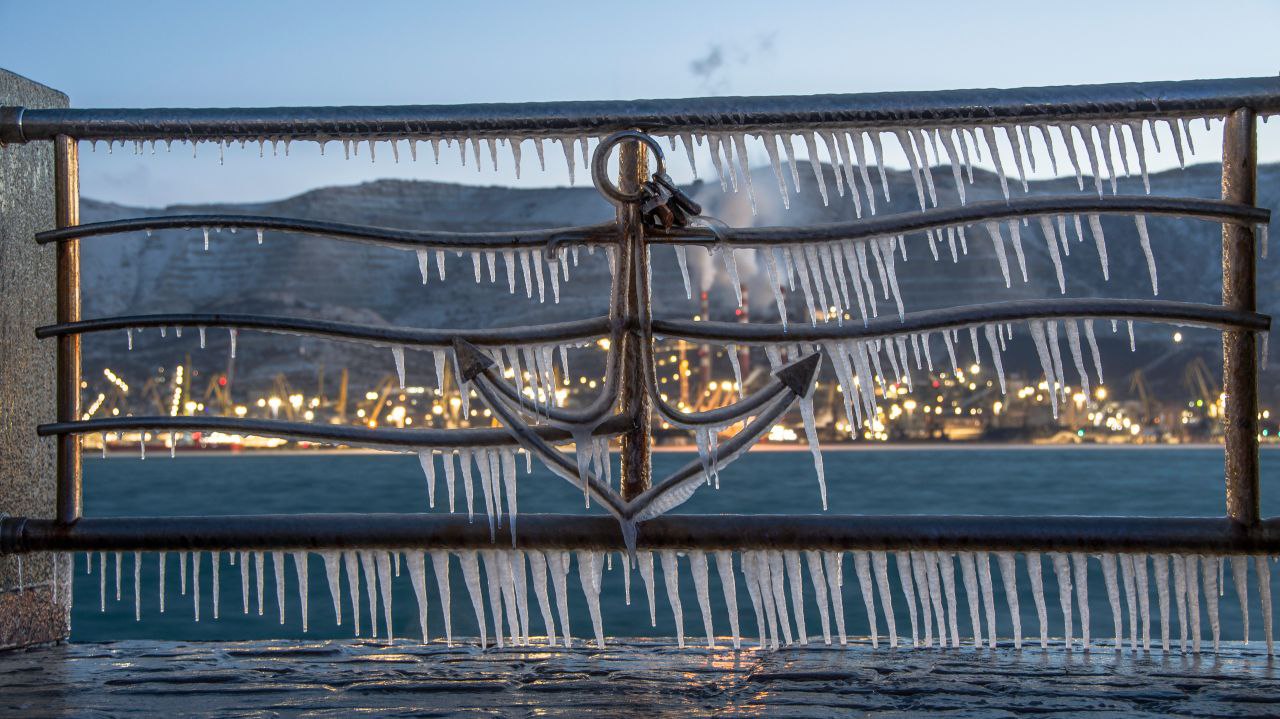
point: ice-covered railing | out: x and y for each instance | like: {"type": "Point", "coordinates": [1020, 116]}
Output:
{"type": "Point", "coordinates": [1101, 132]}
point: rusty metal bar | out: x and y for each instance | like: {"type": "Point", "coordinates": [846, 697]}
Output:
{"type": "Point", "coordinates": [974, 213]}
{"type": "Point", "coordinates": [1240, 294]}
{"type": "Point", "coordinates": [690, 531]}
{"type": "Point", "coordinates": [401, 336]}
{"type": "Point", "coordinates": [696, 115]}
{"type": "Point", "coordinates": [531, 239]}
{"type": "Point", "coordinates": [66, 168]}
{"type": "Point", "coordinates": [636, 468]}
{"type": "Point", "coordinates": [326, 433]}
{"type": "Point", "coordinates": [1188, 313]}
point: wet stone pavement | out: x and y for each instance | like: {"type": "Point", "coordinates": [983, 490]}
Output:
{"type": "Point", "coordinates": [638, 678]}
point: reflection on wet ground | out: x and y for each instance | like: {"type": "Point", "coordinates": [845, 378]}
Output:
{"type": "Point", "coordinates": [632, 678]}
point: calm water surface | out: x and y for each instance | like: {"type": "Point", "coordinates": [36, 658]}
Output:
{"type": "Point", "coordinates": [1082, 481]}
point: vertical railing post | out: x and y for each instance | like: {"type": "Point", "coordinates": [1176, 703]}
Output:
{"type": "Point", "coordinates": [633, 169]}
{"type": "Point", "coordinates": [1239, 292]}
{"type": "Point", "coordinates": [67, 211]}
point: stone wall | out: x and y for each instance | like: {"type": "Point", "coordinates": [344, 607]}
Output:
{"type": "Point", "coordinates": [28, 612]}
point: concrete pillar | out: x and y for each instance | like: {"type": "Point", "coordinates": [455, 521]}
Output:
{"type": "Point", "coordinates": [28, 613]}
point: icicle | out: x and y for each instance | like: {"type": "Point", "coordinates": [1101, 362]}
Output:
{"type": "Point", "coordinates": [1145, 241]}
{"type": "Point", "coordinates": [791, 561]}
{"type": "Point", "coordinates": [771, 149]}
{"type": "Point", "coordinates": [645, 561]}
{"type": "Point", "coordinates": [1130, 595]}
{"type": "Point", "coordinates": [1093, 349]}
{"type": "Point", "coordinates": [921, 576]}
{"type": "Point", "coordinates": [880, 562]}
{"type": "Point", "coordinates": [1240, 575]}
{"type": "Point", "coordinates": [195, 583]}
{"type": "Point", "coordinates": [856, 141]}
{"type": "Point", "coordinates": [332, 566]}
{"type": "Point", "coordinates": [994, 343]}
{"type": "Point", "coordinates": [750, 573]}
{"type": "Point", "coordinates": [277, 563]}
{"type": "Point", "coordinates": [1144, 598]}
{"type": "Point", "coordinates": [1009, 576]}
{"type": "Point", "coordinates": [969, 574]}
{"type": "Point", "coordinates": [371, 571]}
{"type": "Point", "coordinates": [997, 240]}
{"type": "Point", "coordinates": [1211, 569]}
{"type": "Point", "coordinates": [995, 158]}
{"type": "Point", "coordinates": [683, 260]}
{"type": "Point", "coordinates": [515, 568]}
{"type": "Point", "coordinates": [1193, 599]}
{"type": "Point", "coordinates": [1037, 593]}
{"type": "Point", "coordinates": [1055, 352]}
{"type": "Point", "coordinates": [429, 470]}
{"type": "Point", "coordinates": [589, 576]}
{"type": "Point", "coordinates": [304, 591]}
{"type": "Point", "coordinates": [1080, 562]}
{"type": "Point", "coordinates": [913, 163]}
{"type": "Point", "coordinates": [1091, 151]}
{"type": "Point", "coordinates": [817, 578]}
{"type": "Point", "coordinates": [509, 476]}
{"type": "Point", "coordinates": [1051, 241]}
{"type": "Point", "coordinates": [1062, 568]}
{"type": "Point", "coordinates": [1176, 132]}
{"type": "Point", "coordinates": [811, 433]}
{"type": "Point", "coordinates": [1264, 598]}
{"type": "Point", "coordinates": [953, 159]}
{"type": "Point", "coordinates": [935, 595]}
{"type": "Point", "coordinates": [919, 139]}
{"type": "Point", "coordinates": [137, 584]}
{"type": "Point", "coordinates": [831, 566]}
{"type": "Point", "coordinates": [1077, 356]}
{"type": "Point", "coordinates": [724, 568]}
{"type": "Point", "coordinates": [538, 570]}
{"type": "Point", "coordinates": [988, 595]}
{"type": "Point", "coordinates": [1108, 562]}
{"type": "Point", "coordinates": [671, 579]}
{"type": "Point", "coordinates": [1046, 364]}
{"type": "Point", "coordinates": [471, 576]}
{"type": "Point", "coordinates": [862, 565]}
{"type": "Point", "coordinates": [740, 148]}
{"type": "Point", "coordinates": [816, 163]}
{"type": "Point", "coordinates": [947, 569]}
{"type": "Point", "coordinates": [1013, 137]}
{"type": "Point", "coordinates": [777, 578]}
{"type": "Point", "coordinates": [902, 562]}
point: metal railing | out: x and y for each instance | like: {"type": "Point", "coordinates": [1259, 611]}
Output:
{"type": "Point", "coordinates": [627, 411]}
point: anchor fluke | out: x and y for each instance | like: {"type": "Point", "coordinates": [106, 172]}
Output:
{"type": "Point", "coordinates": [471, 361]}
{"type": "Point", "coordinates": [798, 376]}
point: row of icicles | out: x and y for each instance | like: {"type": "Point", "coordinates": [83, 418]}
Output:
{"type": "Point", "coordinates": [775, 585]}
{"type": "Point", "coordinates": [834, 277]}
{"type": "Point", "coordinates": [1104, 150]}
{"type": "Point", "coordinates": [859, 370]}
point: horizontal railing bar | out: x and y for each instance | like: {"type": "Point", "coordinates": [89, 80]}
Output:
{"type": "Point", "coordinates": [902, 223]}
{"type": "Point", "coordinates": [706, 114]}
{"type": "Point", "coordinates": [327, 433]}
{"type": "Point", "coordinates": [1188, 313]}
{"type": "Point", "coordinates": [390, 336]}
{"type": "Point", "coordinates": [706, 532]}
{"type": "Point", "coordinates": [401, 239]}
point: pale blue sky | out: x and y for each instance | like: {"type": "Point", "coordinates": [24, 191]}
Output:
{"type": "Point", "coordinates": [294, 53]}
